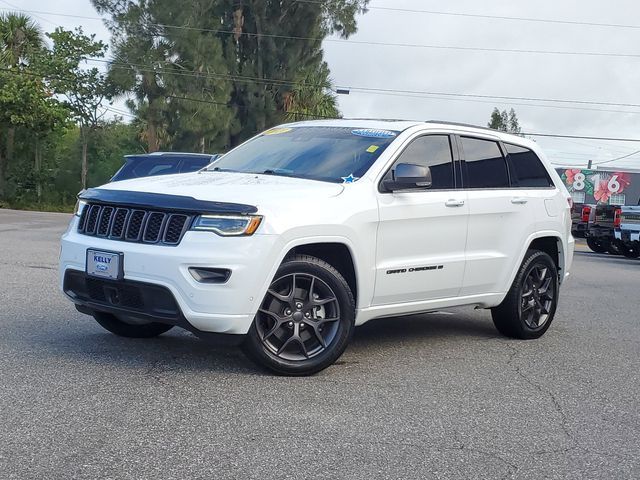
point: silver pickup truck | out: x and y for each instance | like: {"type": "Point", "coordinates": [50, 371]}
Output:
{"type": "Point", "coordinates": [627, 230]}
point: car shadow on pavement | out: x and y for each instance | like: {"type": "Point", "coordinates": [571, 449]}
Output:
{"type": "Point", "coordinates": [181, 351]}
{"type": "Point", "coordinates": [433, 328]}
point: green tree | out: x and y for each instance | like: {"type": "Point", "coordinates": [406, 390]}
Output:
{"type": "Point", "coordinates": [213, 72]}
{"type": "Point", "coordinates": [505, 121]}
{"type": "Point", "coordinates": [311, 97]}
{"type": "Point", "coordinates": [85, 89]}
{"type": "Point", "coordinates": [20, 40]}
{"type": "Point", "coordinates": [273, 42]}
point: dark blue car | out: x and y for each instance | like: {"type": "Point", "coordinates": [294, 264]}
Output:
{"type": "Point", "coordinates": [162, 163]}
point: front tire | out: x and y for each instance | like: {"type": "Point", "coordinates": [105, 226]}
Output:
{"type": "Point", "coordinates": [528, 309]}
{"type": "Point", "coordinates": [305, 321]}
{"type": "Point", "coordinates": [630, 250]}
{"type": "Point", "coordinates": [130, 329]}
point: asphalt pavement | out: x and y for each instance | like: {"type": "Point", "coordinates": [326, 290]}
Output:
{"type": "Point", "coordinates": [428, 396]}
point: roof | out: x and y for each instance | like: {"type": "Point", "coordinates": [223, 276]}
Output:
{"type": "Point", "coordinates": [401, 125]}
{"type": "Point", "coordinates": [169, 154]}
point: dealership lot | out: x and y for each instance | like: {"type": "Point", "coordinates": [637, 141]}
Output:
{"type": "Point", "coordinates": [439, 395]}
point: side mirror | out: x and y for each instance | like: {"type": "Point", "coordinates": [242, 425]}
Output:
{"type": "Point", "coordinates": [408, 176]}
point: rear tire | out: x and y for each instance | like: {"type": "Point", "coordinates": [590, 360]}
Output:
{"type": "Point", "coordinates": [130, 330]}
{"type": "Point", "coordinates": [305, 321]}
{"type": "Point", "coordinates": [597, 245]}
{"type": "Point", "coordinates": [530, 305]}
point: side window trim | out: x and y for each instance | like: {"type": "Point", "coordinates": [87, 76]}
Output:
{"type": "Point", "coordinates": [454, 152]}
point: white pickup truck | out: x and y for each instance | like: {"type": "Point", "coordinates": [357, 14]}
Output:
{"type": "Point", "coordinates": [289, 241]}
{"type": "Point", "coordinates": [627, 230]}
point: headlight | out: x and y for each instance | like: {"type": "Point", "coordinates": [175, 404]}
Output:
{"type": "Point", "coordinates": [80, 204]}
{"type": "Point", "coordinates": [228, 226]}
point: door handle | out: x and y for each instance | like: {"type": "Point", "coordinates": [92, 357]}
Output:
{"type": "Point", "coordinates": [455, 203]}
{"type": "Point", "coordinates": [519, 201]}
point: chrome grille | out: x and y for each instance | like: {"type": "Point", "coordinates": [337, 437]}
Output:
{"type": "Point", "coordinates": [133, 224]}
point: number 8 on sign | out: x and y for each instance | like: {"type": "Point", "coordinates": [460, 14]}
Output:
{"type": "Point", "coordinates": [578, 181]}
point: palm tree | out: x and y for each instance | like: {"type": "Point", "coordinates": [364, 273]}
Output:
{"type": "Point", "coordinates": [20, 37]}
{"type": "Point", "coordinates": [311, 96]}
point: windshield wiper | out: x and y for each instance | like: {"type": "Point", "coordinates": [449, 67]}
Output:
{"type": "Point", "coordinates": [278, 172]}
{"type": "Point", "coordinates": [218, 169]}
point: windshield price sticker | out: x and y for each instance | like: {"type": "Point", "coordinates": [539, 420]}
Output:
{"type": "Point", "coordinates": [373, 133]}
{"type": "Point", "coordinates": [277, 131]}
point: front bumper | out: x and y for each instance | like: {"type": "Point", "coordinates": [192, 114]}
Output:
{"type": "Point", "coordinates": [219, 308]}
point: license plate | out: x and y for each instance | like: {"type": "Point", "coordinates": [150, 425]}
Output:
{"type": "Point", "coordinates": [105, 264]}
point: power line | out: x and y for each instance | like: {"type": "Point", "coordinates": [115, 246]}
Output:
{"type": "Point", "coordinates": [240, 78]}
{"type": "Point", "coordinates": [373, 43]}
{"type": "Point", "coordinates": [409, 10]}
{"type": "Point", "coordinates": [608, 139]}
{"type": "Point", "coordinates": [616, 159]}
{"type": "Point", "coordinates": [550, 135]}
{"type": "Point", "coordinates": [492, 17]}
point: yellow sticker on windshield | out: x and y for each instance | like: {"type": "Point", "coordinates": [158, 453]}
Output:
{"type": "Point", "coordinates": [373, 149]}
{"type": "Point", "coordinates": [277, 131]}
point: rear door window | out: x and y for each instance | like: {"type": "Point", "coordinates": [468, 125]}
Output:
{"type": "Point", "coordinates": [486, 167]}
{"type": "Point", "coordinates": [527, 170]}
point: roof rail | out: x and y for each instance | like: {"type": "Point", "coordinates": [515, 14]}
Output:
{"type": "Point", "coordinates": [459, 124]}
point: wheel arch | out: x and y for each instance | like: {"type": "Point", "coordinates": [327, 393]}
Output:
{"type": "Point", "coordinates": [337, 254]}
{"type": "Point", "coordinates": [550, 242]}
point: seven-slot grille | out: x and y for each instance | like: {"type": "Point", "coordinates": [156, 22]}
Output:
{"type": "Point", "coordinates": [133, 224]}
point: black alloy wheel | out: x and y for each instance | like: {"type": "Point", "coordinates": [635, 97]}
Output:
{"type": "Point", "coordinates": [299, 317]}
{"type": "Point", "coordinates": [530, 305]}
{"type": "Point", "coordinates": [538, 296]}
{"type": "Point", "coordinates": [305, 320]}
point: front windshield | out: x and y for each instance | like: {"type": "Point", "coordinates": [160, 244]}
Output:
{"type": "Point", "coordinates": [330, 154]}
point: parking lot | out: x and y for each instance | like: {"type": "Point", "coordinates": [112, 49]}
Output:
{"type": "Point", "coordinates": [429, 396]}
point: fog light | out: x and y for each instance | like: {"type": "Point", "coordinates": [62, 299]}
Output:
{"type": "Point", "coordinates": [210, 275]}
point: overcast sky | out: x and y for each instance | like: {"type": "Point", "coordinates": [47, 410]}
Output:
{"type": "Point", "coordinates": [532, 75]}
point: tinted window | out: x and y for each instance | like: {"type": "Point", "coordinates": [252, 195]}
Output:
{"type": "Point", "coordinates": [433, 151]}
{"type": "Point", "coordinates": [526, 168]}
{"type": "Point", "coordinates": [333, 154]}
{"type": "Point", "coordinates": [486, 167]}
{"type": "Point", "coordinates": [194, 164]}
{"type": "Point", "coordinates": [146, 167]}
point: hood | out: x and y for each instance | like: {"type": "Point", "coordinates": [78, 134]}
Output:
{"type": "Point", "coordinates": [229, 187]}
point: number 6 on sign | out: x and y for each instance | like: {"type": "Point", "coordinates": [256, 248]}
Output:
{"type": "Point", "coordinates": [614, 185]}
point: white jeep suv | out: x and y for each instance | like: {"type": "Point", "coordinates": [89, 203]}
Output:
{"type": "Point", "coordinates": [292, 239]}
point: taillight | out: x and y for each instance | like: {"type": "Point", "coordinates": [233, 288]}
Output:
{"type": "Point", "coordinates": [586, 213]}
{"type": "Point", "coordinates": [617, 218]}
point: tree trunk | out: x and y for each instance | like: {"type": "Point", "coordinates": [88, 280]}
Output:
{"type": "Point", "coordinates": [11, 140]}
{"type": "Point", "coordinates": [36, 167]}
{"type": "Point", "coordinates": [261, 119]}
{"type": "Point", "coordinates": [3, 172]}
{"type": "Point", "coordinates": [152, 133]}
{"type": "Point", "coordinates": [85, 166]}
{"type": "Point", "coordinates": [202, 144]}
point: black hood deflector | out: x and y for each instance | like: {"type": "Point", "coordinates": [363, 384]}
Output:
{"type": "Point", "coordinates": [163, 202]}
